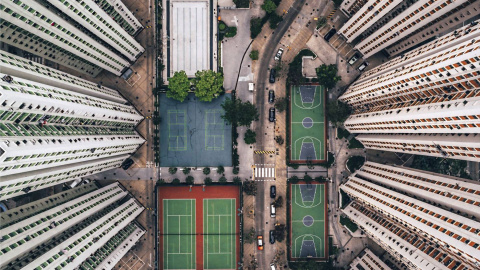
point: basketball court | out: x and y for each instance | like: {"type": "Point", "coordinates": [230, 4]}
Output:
{"type": "Point", "coordinates": [308, 221]}
{"type": "Point", "coordinates": [193, 133]}
{"type": "Point", "coordinates": [199, 227]}
{"type": "Point", "coordinates": [307, 124]}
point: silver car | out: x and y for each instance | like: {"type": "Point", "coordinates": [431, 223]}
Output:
{"type": "Point", "coordinates": [278, 56]}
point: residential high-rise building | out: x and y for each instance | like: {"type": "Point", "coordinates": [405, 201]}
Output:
{"type": "Point", "coordinates": [424, 225]}
{"type": "Point", "coordinates": [87, 226]}
{"type": "Point", "coordinates": [50, 135]}
{"type": "Point", "coordinates": [366, 260]}
{"type": "Point", "coordinates": [415, 102]}
{"type": "Point", "coordinates": [379, 24]}
{"type": "Point", "coordinates": [23, 68]}
{"type": "Point", "coordinates": [80, 36]}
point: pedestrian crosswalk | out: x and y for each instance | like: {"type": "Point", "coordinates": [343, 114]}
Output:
{"type": "Point", "coordinates": [265, 172]}
{"type": "Point", "coordinates": [264, 152]}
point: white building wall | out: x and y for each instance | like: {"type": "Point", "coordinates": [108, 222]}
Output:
{"type": "Point", "coordinates": [48, 152]}
{"type": "Point", "coordinates": [78, 210]}
{"type": "Point", "coordinates": [392, 243]}
{"type": "Point", "coordinates": [371, 12]}
{"type": "Point", "coordinates": [453, 39]}
{"type": "Point", "coordinates": [415, 16]}
{"type": "Point", "coordinates": [447, 117]}
{"type": "Point", "coordinates": [368, 260]}
{"type": "Point", "coordinates": [16, 184]}
{"type": "Point", "coordinates": [457, 146]}
{"type": "Point", "coordinates": [102, 25]}
{"type": "Point", "coordinates": [421, 216]}
{"type": "Point", "coordinates": [451, 192]}
{"type": "Point", "coordinates": [50, 28]}
{"type": "Point", "coordinates": [447, 72]}
{"type": "Point", "coordinates": [103, 229]}
{"type": "Point", "coordinates": [134, 26]}
{"type": "Point", "coordinates": [20, 67]}
{"type": "Point", "coordinates": [32, 97]}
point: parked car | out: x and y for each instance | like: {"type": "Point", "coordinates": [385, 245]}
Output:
{"type": "Point", "coordinates": [271, 115]}
{"type": "Point", "coordinates": [272, 266]}
{"type": "Point", "coordinates": [353, 59]}
{"type": "Point", "coordinates": [272, 237]}
{"type": "Point", "coordinates": [278, 56]}
{"type": "Point", "coordinates": [127, 163]}
{"type": "Point", "coordinates": [272, 210]}
{"type": "Point", "coordinates": [272, 75]}
{"type": "Point", "coordinates": [363, 66]}
{"type": "Point", "coordinates": [330, 34]}
{"type": "Point", "coordinates": [273, 192]}
{"type": "Point", "coordinates": [271, 96]}
{"type": "Point", "coordinates": [260, 242]}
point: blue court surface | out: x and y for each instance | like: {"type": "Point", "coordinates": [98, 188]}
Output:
{"type": "Point", "coordinates": [193, 134]}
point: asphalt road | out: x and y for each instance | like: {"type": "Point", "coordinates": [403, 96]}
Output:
{"type": "Point", "coordinates": [261, 127]}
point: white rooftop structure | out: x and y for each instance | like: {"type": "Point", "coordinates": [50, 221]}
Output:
{"type": "Point", "coordinates": [190, 36]}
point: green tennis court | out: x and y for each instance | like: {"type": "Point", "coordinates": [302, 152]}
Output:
{"type": "Point", "coordinates": [179, 234]}
{"type": "Point", "coordinates": [219, 226]}
{"type": "Point", "coordinates": [307, 123]}
{"type": "Point", "coordinates": [308, 221]}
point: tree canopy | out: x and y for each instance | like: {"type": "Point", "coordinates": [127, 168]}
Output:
{"type": "Point", "coordinates": [208, 84]}
{"type": "Point", "coordinates": [250, 137]}
{"type": "Point", "coordinates": [269, 6]}
{"type": "Point", "coordinates": [337, 112]}
{"type": "Point", "coordinates": [238, 112]}
{"type": "Point", "coordinates": [178, 86]}
{"type": "Point", "coordinates": [327, 75]}
{"type": "Point", "coordinates": [281, 104]}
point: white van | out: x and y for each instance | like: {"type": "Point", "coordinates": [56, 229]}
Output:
{"type": "Point", "coordinates": [250, 87]}
{"type": "Point", "coordinates": [272, 266]}
{"type": "Point", "coordinates": [272, 210]}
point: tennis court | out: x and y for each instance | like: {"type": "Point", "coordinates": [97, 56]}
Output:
{"type": "Point", "coordinates": [307, 124]}
{"type": "Point", "coordinates": [198, 227]}
{"type": "Point", "coordinates": [219, 221]}
{"type": "Point", "coordinates": [308, 221]}
{"type": "Point", "coordinates": [179, 234]}
{"type": "Point", "coordinates": [193, 133]}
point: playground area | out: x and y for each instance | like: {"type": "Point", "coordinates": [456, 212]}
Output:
{"type": "Point", "coordinates": [307, 124]}
{"type": "Point", "coordinates": [193, 134]}
{"type": "Point", "coordinates": [199, 227]}
{"type": "Point", "coordinates": [308, 233]}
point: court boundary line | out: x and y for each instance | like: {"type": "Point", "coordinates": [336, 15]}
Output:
{"type": "Point", "coordinates": [193, 240]}
{"type": "Point", "coordinates": [177, 149]}
{"type": "Point", "coordinates": [323, 152]}
{"type": "Point", "coordinates": [291, 241]}
{"type": "Point", "coordinates": [207, 129]}
{"type": "Point", "coordinates": [232, 254]}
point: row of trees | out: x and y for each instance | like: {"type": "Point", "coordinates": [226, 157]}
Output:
{"type": "Point", "coordinates": [206, 85]}
{"type": "Point", "coordinates": [190, 180]}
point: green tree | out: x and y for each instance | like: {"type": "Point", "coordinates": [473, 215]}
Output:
{"type": "Point", "coordinates": [239, 113]}
{"type": "Point", "coordinates": [206, 170]}
{"type": "Point", "coordinates": [281, 104]}
{"type": "Point", "coordinates": [274, 20]}
{"type": "Point", "coordinates": [237, 180]}
{"type": "Point", "coordinates": [307, 178]}
{"type": "Point", "coordinates": [255, 27]}
{"type": "Point", "coordinates": [250, 137]}
{"type": "Point", "coordinates": [235, 170]}
{"type": "Point", "coordinates": [321, 22]}
{"type": "Point", "coordinates": [337, 112]}
{"type": "Point", "coordinates": [250, 188]}
{"type": "Point", "coordinates": [208, 84]}
{"type": "Point", "coordinates": [254, 55]}
{"type": "Point", "coordinates": [178, 86]}
{"type": "Point", "coordinates": [327, 75]}
{"type": "Point", "coordinates": [269, 6]}
{"type": "Point", "coordinates": [190, 180]}
{"type": "Point", "coordinates": [220, 169]}
{"type": "Point", "coordinates": [222, 179]}
{"type": "Point", "coordinates": [186, 170]}
{"type": "Point", "coordinates": [294, 179]}
{"type": "Point", "coordinates": [176, 181]}
{"type": "Point", "coordinates": [172, 170]}
{"type": "Point", "coordinates": [278, 202]}
{"type": "Point", "coordinates": [208, 181]}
